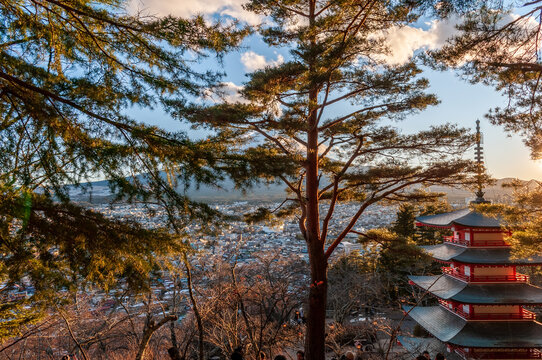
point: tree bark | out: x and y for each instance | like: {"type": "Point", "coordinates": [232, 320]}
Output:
{"type": "Point", "coordinates": [174, 342]}
{"type": "Point", "coordinates": [316, 319]}
{"type": "Point", "coordinates": [147, 334]}
{"type": "Point", "coordinates": [150, 328]}
{"type": "Point", "coordinates": [197, 314]}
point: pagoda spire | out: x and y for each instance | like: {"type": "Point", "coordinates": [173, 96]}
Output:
{"type": "Point", "coordinates": [480, 168]}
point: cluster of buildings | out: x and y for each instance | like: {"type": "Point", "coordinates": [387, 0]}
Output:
{"type": "Point", "coordinates": [283, 235]}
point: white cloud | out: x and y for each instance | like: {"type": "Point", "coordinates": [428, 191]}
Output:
{"type": "Point", "coordinates": [228, 92]}
{"type": "Point", "coordinates": [188, 8]}
{"type": "Point", "coordinates": [253, 61]}
{"type": "Point", "coordinates": [404, 41]}
{"type": "Point", "coordinates": [225, 92]}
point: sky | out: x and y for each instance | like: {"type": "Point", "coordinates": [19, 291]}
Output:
{"type": "Point", "coordinates": [461, 103]}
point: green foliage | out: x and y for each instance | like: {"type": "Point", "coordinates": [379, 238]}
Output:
{"type": "Point", "coordinates": [261, 214]}
{"type": "Point", "coordinates": [428, 235]}
{"type": "Point", "coordinates": [319, 123]}
{"type": "Point", "coordinates": [498, 48]}
{"type": "Point", "coordinates": [69, 73]}
{"type": "Point", "coordinates": [353, 263]}
{"type": "Point", "coordinates": [404, 225]}
{"type": "Point", "coordinates": [398, 257]}
{"type": "Point", "coordinates": [395, 252]}
{"type": "Point", "coordinates": [51, 249]}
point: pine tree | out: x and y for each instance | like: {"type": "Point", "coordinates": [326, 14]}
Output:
{"type": "Point", "coordinates": [404, 224]}
{"type": "Point", "coordinates": [498, 48]}
{"type": "Point", "coordinates": [295, 127]}
{"type": "Point", "coordinates": [70, 71]}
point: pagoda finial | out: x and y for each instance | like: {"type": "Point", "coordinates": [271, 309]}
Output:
{"type": "Point", "coordinates": [480, 169]}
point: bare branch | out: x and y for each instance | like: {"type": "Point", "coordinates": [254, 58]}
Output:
{"type": "Point", "coordinates": [346, 117]}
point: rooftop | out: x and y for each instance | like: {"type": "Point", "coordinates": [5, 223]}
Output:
{"type": "Point", "coordinates": [464, 217]}
{"type": "Point", "coordinates": [484, 256]}
{"type": "Point", "coordinates": [448, 288]}
{"type": "Point", "coordinates": [452, 329]}
{"type": "Point", "coordinates": [416, 346]}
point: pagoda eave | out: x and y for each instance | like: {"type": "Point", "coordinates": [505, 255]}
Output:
{"type": "Point", "coordinates": [454, 330]}
{"type": "Point", "coordinates": [447, 288]}
{"type": "Point", "coordinates": [416, 345]}
{"type": "Point", "coordinates": [483, 256]}
{"type": "Point", "coordinates": [464, 217]}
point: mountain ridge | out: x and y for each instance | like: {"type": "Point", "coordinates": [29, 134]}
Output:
{"type": "Point", "coordinates": [98, 192]}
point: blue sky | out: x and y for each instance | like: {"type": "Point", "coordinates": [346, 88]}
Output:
{"type": "Point", "coordinates": [461, 102]}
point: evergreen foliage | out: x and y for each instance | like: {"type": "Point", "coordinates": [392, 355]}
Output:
{"type": "Point", "coordinates": [522, 218]}
{"type": "Point", "coordinates": [69, 73]}
{"type": "Point", "coordinates": [395, 256]}
{"type": "Point", "coordinates": [319, 123]}
{"type": "Point", "coordinates": [395, 252]}
{"type": "Point", "coordinates": [404, 224]}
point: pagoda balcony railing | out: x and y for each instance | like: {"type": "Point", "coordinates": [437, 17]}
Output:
{"type": "Point", "coordinates": [490, 243]}
{"type": "Point", "coordinates": [455, 310]}
{"type": "Point", "coordinates": [523, 315]}
{"type": "Point", "coordinates": [501, 278]}
{"type": "Point", "coordinates": [480, 354]}
{"type": "Point", "coordinates": [454, 273]}
{"type": "Point", "coordinates": [451, 239]}
{"type": "Point", "coordinates": [484, 278]}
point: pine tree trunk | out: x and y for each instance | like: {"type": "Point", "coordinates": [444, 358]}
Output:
{"type": "Point", "coordinates": [316, 323]}
{"type": "Point", "coordinates": [150, 328]}
{"type": "Point", "coordinates": [316, 319]}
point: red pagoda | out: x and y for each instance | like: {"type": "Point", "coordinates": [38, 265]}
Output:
{"type": "Point", "coordinates": [482, 299]}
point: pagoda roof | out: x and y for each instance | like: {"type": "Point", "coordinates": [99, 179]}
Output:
{"type": "Point", "coordinates": [450, 328]}
{"type": "Point", "coordinates": [448, 288]}
{"type": "Point", "coordinates": [472, 255]}
{"type": "Point", "coordinates": [464, 217]}
{"type": "Point", "coordinates": [416, 346]}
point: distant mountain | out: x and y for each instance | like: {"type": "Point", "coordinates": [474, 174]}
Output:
{"type": "Point", "coordinates": [495, 193]}
{"type": "Point", "coordinates": [99, 192]}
